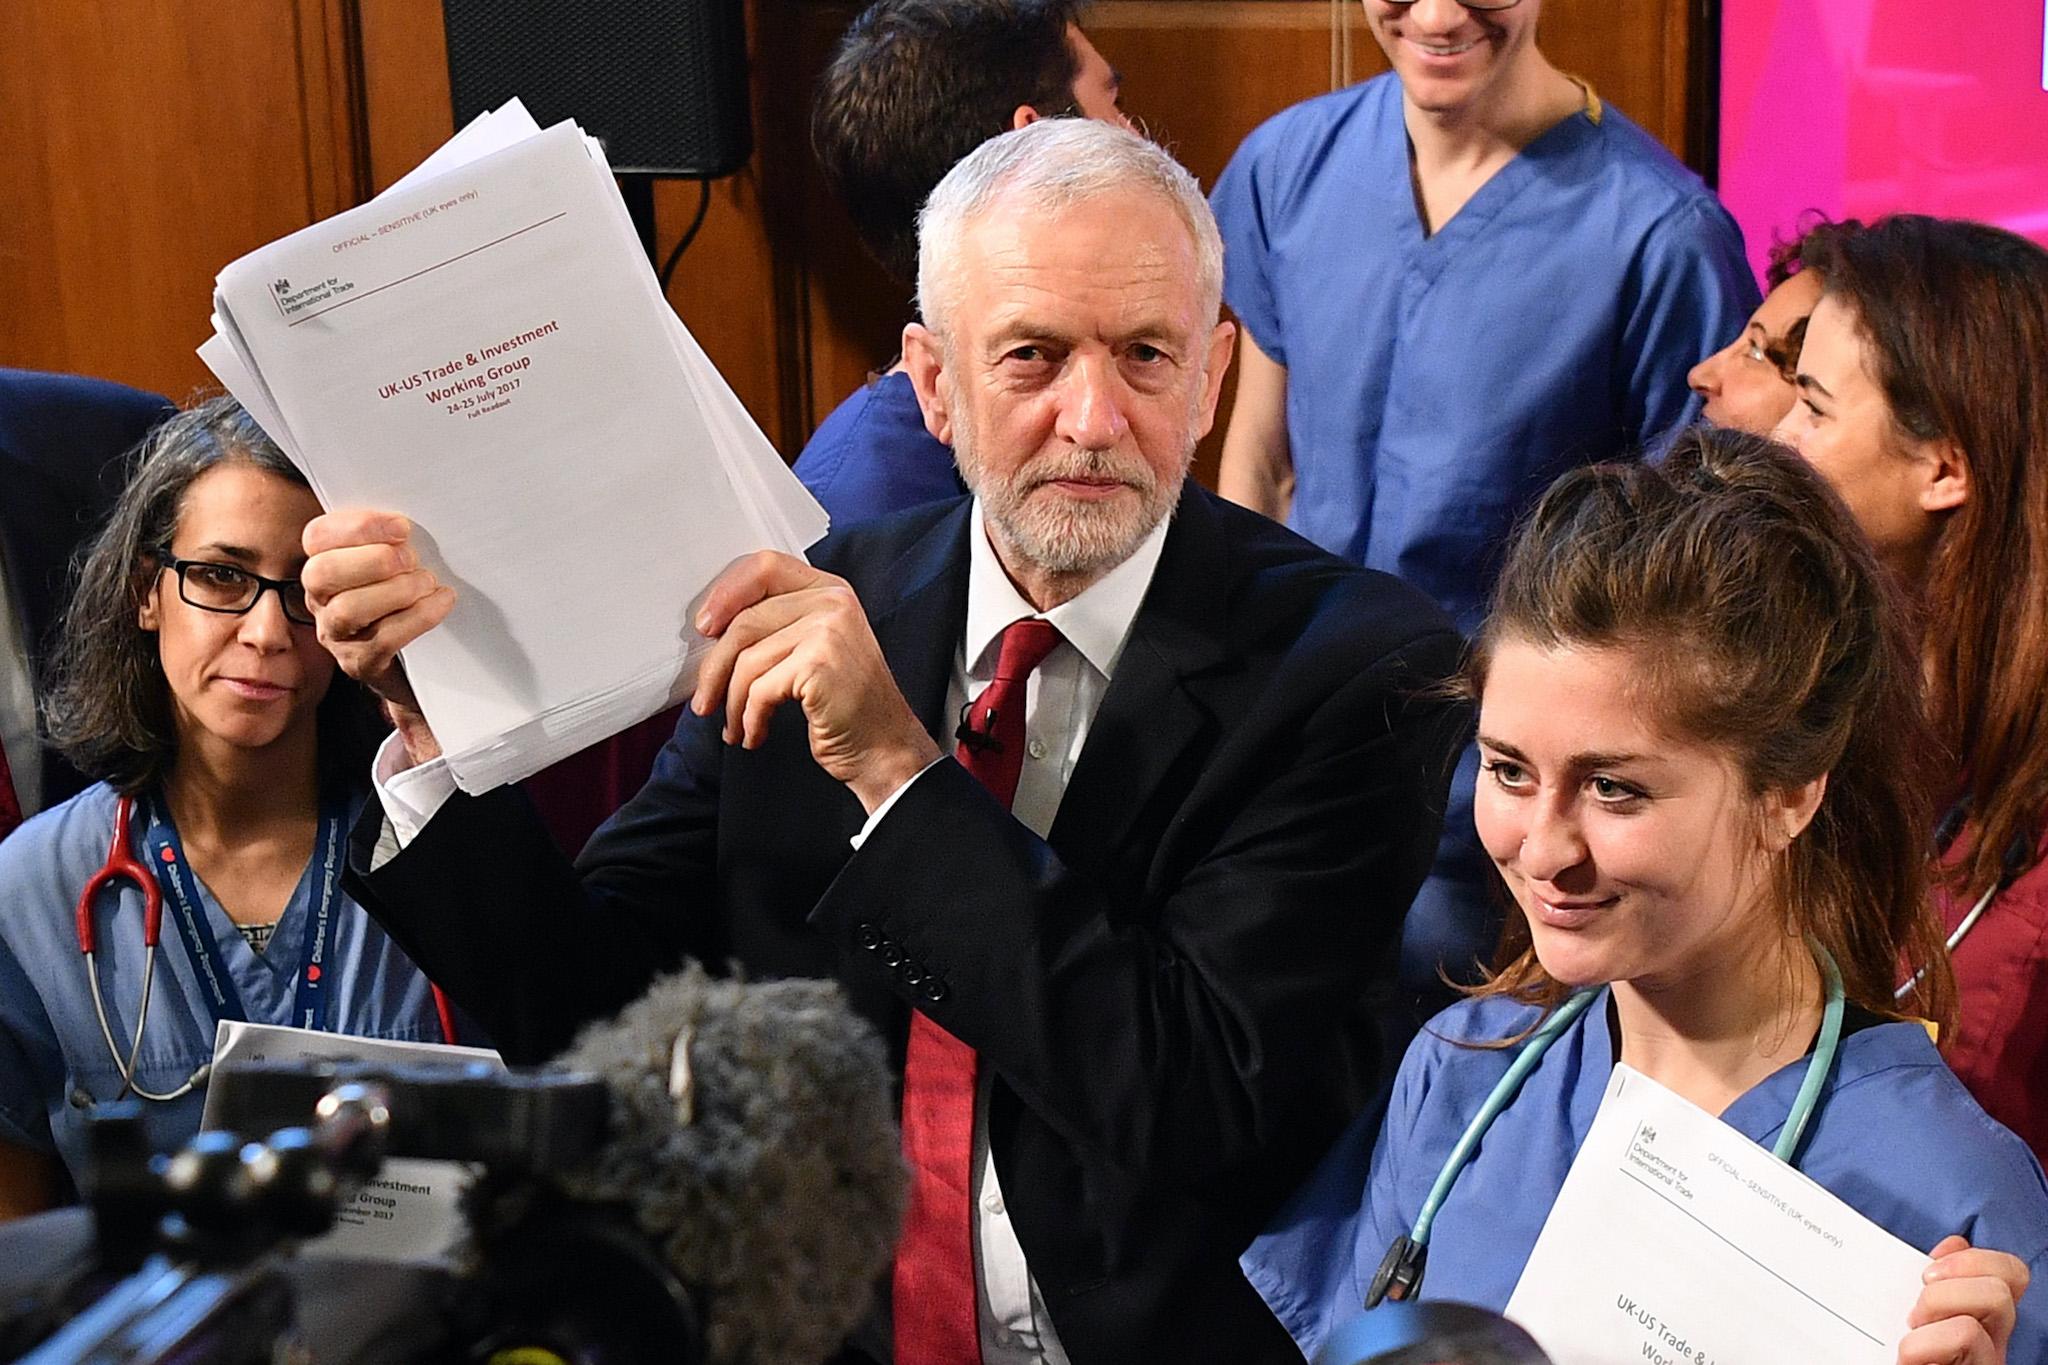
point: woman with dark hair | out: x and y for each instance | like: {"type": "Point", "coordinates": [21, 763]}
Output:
{"type": "Point", "coordinates": [230, 757]}
{"type": "Point", "coordinates": [1924, 400]}
{"type": "Point", "coordinates": [1699, 735]}
{"type": "Point", "coordinates": [1747, 384]}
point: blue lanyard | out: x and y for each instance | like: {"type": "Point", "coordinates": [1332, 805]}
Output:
{"type": "Point", "coordinates": [166, 857]}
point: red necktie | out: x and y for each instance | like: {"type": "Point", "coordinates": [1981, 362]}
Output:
{"type": "Point", "coordinates": [10, 805]}
{"type": "Point", "coordinates": [936, 1320]}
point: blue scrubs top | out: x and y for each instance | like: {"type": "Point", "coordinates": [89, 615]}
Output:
{"type": "Point", "coordinates": [873, 456]}
{"type": "Point", "coordinates": [1896, 1136]}
{"type": "Point", "coordinates": [1437, 384]}
{"type": "Point", "coordinates": [54, 1065]}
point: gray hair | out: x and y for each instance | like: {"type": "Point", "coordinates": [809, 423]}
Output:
{"type": "Point", "coordinates": [1053, 164]}
{"type": "Point", "coordinates": [107, 704]}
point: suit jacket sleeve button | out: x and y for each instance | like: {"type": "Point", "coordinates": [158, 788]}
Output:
{"type": "Point", "coordinates": [911, 972]}
{"type": "Point", "coordinates": [891, 953]}
{"type": "Point", "coordinates": [867, 936]}
{"type": "Point", "coordinates": [935, 990]}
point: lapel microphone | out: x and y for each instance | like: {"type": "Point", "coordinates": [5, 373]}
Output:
{"type": "Point", "coordinates": [973, 740]}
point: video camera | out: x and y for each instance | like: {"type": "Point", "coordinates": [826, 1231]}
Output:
{"type": "Point", "coordinates": [194, 1250]}
{"type": "Point", "coordinates": [713, 1176]}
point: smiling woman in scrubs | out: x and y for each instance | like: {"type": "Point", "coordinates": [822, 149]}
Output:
{"type": "Point", "coordinates": [1458, 280]}
{"type": "Point", "coordinates": [188, 678]}
{"type": "Point", "coordinates": [1923, 398]}
{"type": "Point", "coordinates": [1699, 736]}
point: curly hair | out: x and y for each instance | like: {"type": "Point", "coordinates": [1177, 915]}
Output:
{"type": "Point", "coordinates": [1817, 240]}
{"type": "Point", "coordinates": [1764, 627]}
{"type": "Point", "coordinates": [107, 704]}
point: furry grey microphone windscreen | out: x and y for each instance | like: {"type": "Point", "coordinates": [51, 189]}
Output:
{"type": "Point", "coordinates": [776, 1188]}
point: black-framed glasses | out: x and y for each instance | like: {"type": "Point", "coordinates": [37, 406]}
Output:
{"type": "Point", "coordinates": [1483, 6]}
{"type": "Point", "coordinates": [234, 591]}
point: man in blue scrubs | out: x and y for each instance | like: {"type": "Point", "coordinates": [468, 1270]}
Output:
{"type": "Point", "coordinates": [915, 86]}
{"type": "Point", "coordinates": [1455, 281]}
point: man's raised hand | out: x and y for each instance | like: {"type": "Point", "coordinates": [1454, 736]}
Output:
{"type": "Point", "coordinates": [786, 631]}
{"type": "Point", "coordinates": [370, 599]}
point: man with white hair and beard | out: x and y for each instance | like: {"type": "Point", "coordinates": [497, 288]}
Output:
{"type": "Point", "coordinates": [1102, 798]}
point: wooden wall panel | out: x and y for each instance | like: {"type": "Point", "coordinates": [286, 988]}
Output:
{"type": "Point", "coordinates": [146, 146]}
{"type": "Point", "coordinates": [117, 210]}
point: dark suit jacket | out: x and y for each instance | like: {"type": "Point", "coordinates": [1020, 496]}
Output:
{"type": "Point", "coordinates": [62, 439]}
{"type": "Point", "coordinates": [1170, 989]}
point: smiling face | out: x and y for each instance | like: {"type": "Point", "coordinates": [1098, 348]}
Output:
{"type": "Point", "coordinates": [251, 681]}
{"type": "Point", "coordinates": [1635, 856]}
{"type": "Point", "coordinates": [1080, 365]}
{"type": "Point", "coordinates": [1450, 59]}
{"type": "Point", "coordinates": [1742, 383]}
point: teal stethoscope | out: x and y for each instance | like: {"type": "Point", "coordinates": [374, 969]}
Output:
{"type": "Point", "coordinates": [1400, 1273]}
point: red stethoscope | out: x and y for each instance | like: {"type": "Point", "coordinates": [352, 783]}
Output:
{"type": "Point", "coordinates": [121, 865]}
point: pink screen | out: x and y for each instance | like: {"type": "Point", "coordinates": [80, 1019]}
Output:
{"type": "Point", "coordinates": [1858, 108]}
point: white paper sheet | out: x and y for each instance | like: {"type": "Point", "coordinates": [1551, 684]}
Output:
{"type": "Point", "coordinates": [484, 349]}
{"type": "Point", "coordinates": [1677, 1241]}
{"type": "Point", "coordinates": [410, 1212]}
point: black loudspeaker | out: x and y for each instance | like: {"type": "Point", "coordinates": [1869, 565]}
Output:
{"type": "Point", "coordinates": [662, 83]}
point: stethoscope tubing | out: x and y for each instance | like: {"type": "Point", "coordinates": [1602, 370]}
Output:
{"type": "Point", "coordinates": [1400, 1273]}
{"type": "Point", "coordinates": [1954, 939]}
{"type": "Point", "coordinates": [1503, 1094]}
{"type": "Point", "coordinates": [121, 865]}
{"type": "Point", "coordinates": [129, 1085]}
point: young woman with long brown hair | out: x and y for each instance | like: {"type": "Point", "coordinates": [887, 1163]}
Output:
{"type": "Point", "coordinates": [1924, 400]}
{"type": "Point", "coordinates": [1700, 745]}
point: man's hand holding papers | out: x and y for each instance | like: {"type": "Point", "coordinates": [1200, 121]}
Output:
{"type": "Point", "coordinates": [485, 346]}
{"type": "Point", "coordinates": [788, 631]}
{"type": "Point", "coordinates": [784, 630]}
{"type": "Point", "coordinates": [371, 598]}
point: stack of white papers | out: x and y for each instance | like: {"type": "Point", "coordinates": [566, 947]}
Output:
{"type": "Point", "coordinates": [484, 349]}
{"type": "Point", "coordinates": [1675, 1239]}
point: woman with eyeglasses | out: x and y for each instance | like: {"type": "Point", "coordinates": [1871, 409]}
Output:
{"type": "Point", "coordinates": [231, 755]}
{"type": "Point", "coordinates": [1456, 281]}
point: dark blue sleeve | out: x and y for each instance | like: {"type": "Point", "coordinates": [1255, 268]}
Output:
{"type": "Point", "coordinates": [872, 456]}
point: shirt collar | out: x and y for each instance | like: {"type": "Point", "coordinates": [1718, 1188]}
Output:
{"type": "Point", "coordinates": [1097, 623]}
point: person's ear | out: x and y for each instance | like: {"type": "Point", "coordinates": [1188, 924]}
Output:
{"type": "Point", "coordinates": [1023, 116]}
{"type": "Point", "coordinates": [1222, 346]}
{"type": "Point", "coordinates": [148, 605]}
{"type": "Point", "coordinates": [1789, 810]}
{"type": "Point", "coordinates": [1948, 476]}
{"type": "Point", "coordinates": [924, 360]}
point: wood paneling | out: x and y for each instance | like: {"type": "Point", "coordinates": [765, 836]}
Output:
{"type": "Point", "coordinates": [145, 147]}
{"type": "Point", "coordinates": [725, 285]}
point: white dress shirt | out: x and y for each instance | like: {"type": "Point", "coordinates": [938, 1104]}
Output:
{"type": "Point", "coordinates": [1061, 699]}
